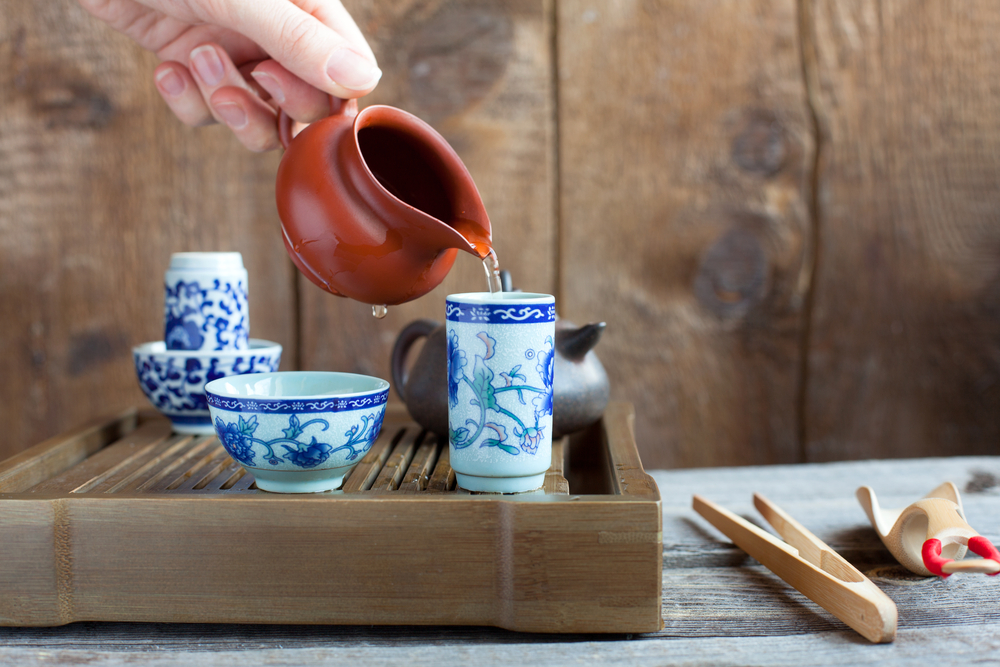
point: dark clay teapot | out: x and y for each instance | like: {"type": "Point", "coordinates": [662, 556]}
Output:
{"type": "Point", "coordinates": [375, 205]}
{"type": "Point", "coordinates": [579, 393]}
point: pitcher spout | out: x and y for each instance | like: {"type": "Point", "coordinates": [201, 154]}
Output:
{"type": "Point", "coordinates": [476, 236]}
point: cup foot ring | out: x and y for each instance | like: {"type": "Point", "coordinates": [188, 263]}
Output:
{"type": "Point", "coordinates": [298, 481]}
{"type": "Point", "coordinates": [479, 484]}
{"type": "Point", "coordinates": [192, 425]}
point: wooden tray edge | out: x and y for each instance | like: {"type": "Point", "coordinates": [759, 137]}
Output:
{"type": "Point", "coordinates": [60, 453]}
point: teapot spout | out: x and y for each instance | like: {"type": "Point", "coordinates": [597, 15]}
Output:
{"type": "Point", "coordinates": [574, 344]}
{"type": "Point", "coordinates": [478, 238]}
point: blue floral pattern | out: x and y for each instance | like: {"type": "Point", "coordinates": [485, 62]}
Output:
{"type": "Point", "coordinates": [175, 385]}
{"type": "Point", "coordinates": [456, 367]}
{"type": "Point", "coordinates": [211, 317]}
{"type": "Point", "coordinates": [238, 438]}
{"type": "Point", "coordinates": [491, 389]}
{"type": "Point", "coordinates": [546, 369]}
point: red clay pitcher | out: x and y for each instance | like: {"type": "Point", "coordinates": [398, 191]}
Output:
{"type": "Point", "coordinates": [375, 205]}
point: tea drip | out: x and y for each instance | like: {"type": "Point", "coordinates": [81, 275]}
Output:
{"type": "Point", "coordinates": [379, 312]}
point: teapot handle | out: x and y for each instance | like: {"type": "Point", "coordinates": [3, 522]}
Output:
{"type": "Point", "coordinates": [413, 332]}
{"type": "Point", "coordinates": [338, 107]}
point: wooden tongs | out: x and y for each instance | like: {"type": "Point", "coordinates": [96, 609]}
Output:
{"type": "Point", "coordinates": [810, 566]}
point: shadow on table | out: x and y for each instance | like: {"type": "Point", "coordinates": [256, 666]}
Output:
{"type": "Point", "coordinates": [225, 637]}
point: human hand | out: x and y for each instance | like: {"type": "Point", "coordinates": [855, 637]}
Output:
{"type": "Point", "coordinates": [237, 61]}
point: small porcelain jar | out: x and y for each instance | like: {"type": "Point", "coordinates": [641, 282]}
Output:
{"type": "Point", "coordinates": [206, 305]}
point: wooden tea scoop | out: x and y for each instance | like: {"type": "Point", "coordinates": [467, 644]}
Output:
{"type": "Point", "coordinates": [808, 564]}
{"type": "Point", "coordinates": [930, 537]}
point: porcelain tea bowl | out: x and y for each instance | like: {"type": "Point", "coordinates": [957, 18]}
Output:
{"type": "Point", "coordinates": [298, 431]}
{"type": "Point", "coordinates": [174, 380]}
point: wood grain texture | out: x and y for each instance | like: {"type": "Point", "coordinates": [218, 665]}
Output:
{"type": "Point", "coordinates": [685, 150]}
{"type": "Point", "coordinates": [479, 72]}
{"type": "Point", "coordinates": [144, 530]}
{"type": "Point", "coordinates": [720, 607]}
{"type": "Point", "coordinates": [905, 353]}
{"type": "Point", "coordinates": [654, 164]}
{"type": "Point", "coordinates": [451, 648]}
{"type": "Point", "coordinates": [54, 456]}
{"type": "Point", "coordinates": [99, 183]}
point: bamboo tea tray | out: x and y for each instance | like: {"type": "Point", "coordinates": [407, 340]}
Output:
{"type": "Point", "coordinates": [123, 520]}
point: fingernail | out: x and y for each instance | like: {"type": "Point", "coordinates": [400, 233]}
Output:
{"type": "Point", "coordinates": [352, 70]}
{"type": "Point", "coordinates": [233, 114]}
{"type": "Point", "coordinates": [270, 84]}
{"type": "Point", "coordinates": [168, 82]}
{"type": "Point", "coordinates": [207, 63]}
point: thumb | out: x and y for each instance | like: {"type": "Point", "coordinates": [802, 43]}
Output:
{"type": "Point", "coordinates": [324, 49]}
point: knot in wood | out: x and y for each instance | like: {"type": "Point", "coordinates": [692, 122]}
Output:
{"type": "Point", "coordinates": [761, 146]}
{"type": "Point", "coordinates": [456, 58]}
{"type": "Point", "coordinates": [62, 103]}
{"type": "Point", "coordinates": [732, 276]}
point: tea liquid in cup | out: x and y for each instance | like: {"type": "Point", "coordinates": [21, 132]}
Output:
{"type": "Point", "coordinates": [206, 304]}
{"type": "Point", "coordinates": [501, 360]}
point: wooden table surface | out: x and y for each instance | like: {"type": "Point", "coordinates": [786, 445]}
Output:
{"type": "Point", "coordinates": [719, 606]}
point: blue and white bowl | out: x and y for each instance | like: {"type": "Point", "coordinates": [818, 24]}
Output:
{"type": "Point", "coordinates": [174, 380]}
{"type": "Point", "coordinates": [298, 431]}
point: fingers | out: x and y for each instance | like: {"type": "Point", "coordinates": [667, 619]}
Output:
{"type": "Point", "coordinates": [230, 99]}
{"type": "Point", "coordinates": [211, 88]}
{"type": "Point", "coordinates": [181, 94]}
{"type": "Point", "coordinates": [326, 51]}
{"type": "Point", "coordinates": [212, 69]}
{"type": "Point", "coordinates": [252, 121]}
{"type": "Point", "coordinates": [301, 101]}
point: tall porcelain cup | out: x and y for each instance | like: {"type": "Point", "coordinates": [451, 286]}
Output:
{"type": "Point", "coordinates": [501, 362]}
{"type": "Point", "coordinates": [375, 205]}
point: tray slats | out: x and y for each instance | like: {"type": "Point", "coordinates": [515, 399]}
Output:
{"type": "Point", "coordinates": [169, 469]}
{"type": "Point", "coordinates": [394, 469]}
{"type": "Point", "coordinates": [152, 460]}
{"type": "Point", "coordinates": [364, 474]}
{"type": "Point", "coordinates": [137, 446]}
{"type": "Point", "coordinates": [443, 477]}
{"type": "Point", "coordinates": [421, 466]}
{"type": "Point", "coordinates": [142, 468]}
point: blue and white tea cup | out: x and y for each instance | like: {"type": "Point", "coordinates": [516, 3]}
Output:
{"type": "Point", "coordinates": [501, 360]}
{"type": "Point", "coordinates": [206, 304]}
{"type": "Point", "coordinates": [174, 380]}
{"type": "Point", "coordinates": [298, 431]}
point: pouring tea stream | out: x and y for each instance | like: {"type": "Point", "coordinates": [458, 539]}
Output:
{"type": "Point", "coordinates": [375, 205]}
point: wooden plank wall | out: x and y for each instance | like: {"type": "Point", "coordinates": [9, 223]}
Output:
{"type": "Point", "coordinates": [787, 211]}
{"type": "Point", "coordinates": [697, 209]}
{"type": "Point", "coordinates": [904, 359]}
{"type": "Point", "coordinates": [99, 183]}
